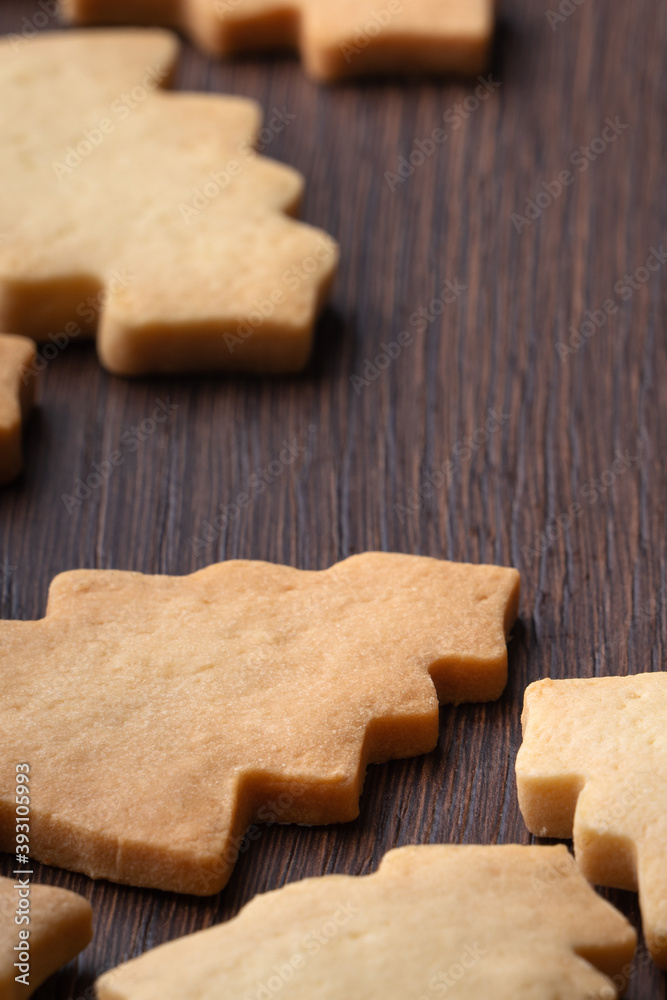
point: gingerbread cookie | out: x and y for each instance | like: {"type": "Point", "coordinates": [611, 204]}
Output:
{"type": "Point", "coordinates": [348, 38]}
{"type": "Point", "coordinates": [17, 393]}
{"type": "Point", "coordinates": [161, 715]}
{"type": "Point", "coordinates": [148, 215]}
{"type": "Point", "coordinates": [431, 919]}
{"type": "Point", "coordinates": [594, 764]}
{"type": "Point", "coordinates": [41, 929]}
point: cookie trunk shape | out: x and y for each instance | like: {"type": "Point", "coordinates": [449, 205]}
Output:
{"type": "Point", "coordinates": [431, 918]}
{"type": "Point", "coordinates": [593, 765]}
{"type": "Point", "coordinates": [148, 216]}
{"type": "Point", "coordinates": [161, 715]}
{"type": "Point", "coordinates": [61, 925]}
{"type": "Point", "coordinates": [343, 39]}
{"type": "Point", "coordinates": [17, 395]}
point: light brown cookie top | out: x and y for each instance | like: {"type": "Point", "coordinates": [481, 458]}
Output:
{"type": "Point", "coordinates": [593, 764]}
{"type": "Point", "coordinates": [17, 393]}
{"type": "Point", "coordinates": [148, 215]}
{"type": "Point", "coordinates": [161, 715]}
{"type": "Point", "coordinates": [342, 39]}
{"type": "Point", "coordinates": [430, 920]}
{"type": "Point", "coordinates": [59, 926]}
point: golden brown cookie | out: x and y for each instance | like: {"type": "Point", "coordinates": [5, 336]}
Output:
{"type": "Point", "coordinates": [593, 765]}
{"type": "Point", "coordinates": [161, 715]}
{"type": "Point", "coordinates": [148, 216]}
{"type": "Point", "coordinates": [17, 393]}
{"type": "Point", "coordinates": [41, 929]}
{"type": "Point", "coordinates": [346, 38]}
{"type": "Point", "coordinates": [430, 920]}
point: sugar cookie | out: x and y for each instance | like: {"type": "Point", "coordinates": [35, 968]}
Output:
{"type": "Point", "coordinates": [593, 764]}
{"type": "Point", "coordinates": [431, 919]}
{"type": "Point", "coordinates": [161, 715]}
{"type": "Point", "coordinates": [148, 215]}
{"type": "Point", "coordinates": [342, 39]}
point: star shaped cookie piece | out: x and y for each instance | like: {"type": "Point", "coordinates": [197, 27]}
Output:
{"type": "Point", "coordinates": [17, 393]}
{"type": "Point", "coordinates": [161, 715]}
{"type": "Point", "coordinates": [593, 765]}
{"type": "Point", "coordinates": [41, 929]}
{"type": "Point", "coordinates": [431, 920]}
{"type": "Point", "coordinates": [147, 215]}
{"type": "Point", "coordinates": [342, 39]}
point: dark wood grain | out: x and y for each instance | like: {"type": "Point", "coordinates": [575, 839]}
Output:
{"type": "Point", "coordinates": [367, 451]}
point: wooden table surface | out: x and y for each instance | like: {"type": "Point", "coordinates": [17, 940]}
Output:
{"type": "Point", "coordinates": [592, 579]}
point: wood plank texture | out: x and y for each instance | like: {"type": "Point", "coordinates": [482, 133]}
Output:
{"type": "Point", "coordinates": [591, 589]}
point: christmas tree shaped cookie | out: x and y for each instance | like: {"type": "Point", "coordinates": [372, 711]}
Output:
{"type": "Point", "coordinates": [432, 920]}
{"type": "Point", "coordinates": [147, 215]}
{"type": "Point", "coordinates": [347, 38]}
{"type": "Point", "coordinates": [593, 765]}
{"type": "Point", "coordinates": [161, 715]}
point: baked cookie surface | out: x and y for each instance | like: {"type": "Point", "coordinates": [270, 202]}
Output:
{"type": "Point", "coordinates": [161, 715]}
{"type": "Point", "coordinates": [593, 766]}
{"type": "Point", "coordinates": [147, 216]}
{"type": "Point", "coordinates": [347, 38]}
{"type": "Point", "coordinates": [432, 919]}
